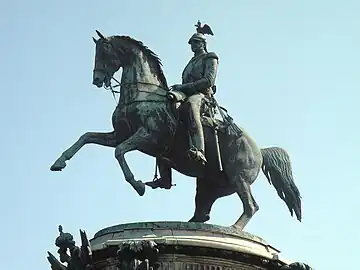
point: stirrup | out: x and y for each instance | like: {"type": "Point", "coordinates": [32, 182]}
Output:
{"type": "Point", "coordinates": [159, 183]}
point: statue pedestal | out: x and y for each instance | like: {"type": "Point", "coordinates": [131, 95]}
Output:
{"type": "Point", "coordinates": [182, 245]}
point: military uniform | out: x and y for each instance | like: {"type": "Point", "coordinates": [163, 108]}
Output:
{"type": "Point", "coordinates": [198, 79]}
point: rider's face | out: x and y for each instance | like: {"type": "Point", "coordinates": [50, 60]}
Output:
{"type": "Point", "coordinates": [196, 45]}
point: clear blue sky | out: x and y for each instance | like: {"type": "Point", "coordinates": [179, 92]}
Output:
{"type": "Point", "coordinates": [289, 74]}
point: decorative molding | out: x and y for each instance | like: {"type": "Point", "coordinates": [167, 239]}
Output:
{"type": "Point", "coordinates": [177, 225]}
{"type": "Point", "coordinates": [296, 266]}
{"type": "Point", "coordinates": [138, 255]}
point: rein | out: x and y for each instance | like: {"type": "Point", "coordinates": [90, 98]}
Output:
{"type": "Point", "coordinates": [119, 84]}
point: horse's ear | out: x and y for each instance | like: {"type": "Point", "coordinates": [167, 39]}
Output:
{"type": "Point", "coordinates": [95, 41]}
{"type": "Point", "coordinates": [100, 35]}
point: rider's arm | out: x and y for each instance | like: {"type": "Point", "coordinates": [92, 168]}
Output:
{"type": "Point", "coordinates": [210, 71]}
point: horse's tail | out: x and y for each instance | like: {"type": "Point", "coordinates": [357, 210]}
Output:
{"type": "Point", "coordinates": [277, 169]}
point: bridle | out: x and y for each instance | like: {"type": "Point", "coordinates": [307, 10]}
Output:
{"type": "Point", "coordinates": [110, 87]}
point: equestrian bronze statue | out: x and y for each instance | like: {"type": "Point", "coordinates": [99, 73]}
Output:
{"type": "Point", "coordinates": [177, 126]}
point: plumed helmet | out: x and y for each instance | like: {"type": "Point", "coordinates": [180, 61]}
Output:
{"type": "Point", "coordinates": [198, 37]}
{"type": "Point", "coordinates": [201, 31]}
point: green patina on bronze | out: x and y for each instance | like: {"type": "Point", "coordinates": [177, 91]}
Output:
{"type": "Point", "coordinates": [178, 225]}
{"type": "Point", "coordinates": [175, 125]}
{"type": "Point", "coordinates": [149, 119]}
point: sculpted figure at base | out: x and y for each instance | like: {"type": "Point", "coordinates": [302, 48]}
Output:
{"type": "Point", "coordinates": [138, 255]}
{"type": "Point", "coordinates": [80, 258]}
{"type": "Point", "coordinates": [147, 120]}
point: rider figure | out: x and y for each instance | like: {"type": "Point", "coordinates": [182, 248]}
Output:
{"type": "Point", "coordinates": [198, 81]}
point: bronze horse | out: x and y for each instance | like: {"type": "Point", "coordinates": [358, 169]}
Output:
{"type": "Point", "coordinates": [146, 120]}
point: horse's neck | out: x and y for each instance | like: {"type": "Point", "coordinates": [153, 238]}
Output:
{"type": "Point", "coordinates": [138, 77]}
{"type": "Point", "coordinates": [140, 71]}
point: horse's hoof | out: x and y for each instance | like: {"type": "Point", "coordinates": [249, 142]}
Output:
{"type": "Point", "coordinates": [139, 186]}
{"type": "Point", "coordinates": [200, 219]}
{"type": "Point", "coordinates": [58, 166]}
{"type": "Point", "coordinates": [193, 219]}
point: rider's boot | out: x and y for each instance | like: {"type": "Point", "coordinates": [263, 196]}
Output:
{"type": "Point", "coordinates": [197, 150]}
{"type": "Point", "coordinates": [159, 183]}
{"type": "Point", "coordinates": [165, 179]}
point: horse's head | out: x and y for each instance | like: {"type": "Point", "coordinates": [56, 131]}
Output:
{"type": "Point", "coordinates": [107, 60]}
{"type": "Point", "coordinates": [123, 51]}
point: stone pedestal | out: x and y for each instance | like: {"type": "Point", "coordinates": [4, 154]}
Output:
{"type": "Point", "coordinates": [181, 245]}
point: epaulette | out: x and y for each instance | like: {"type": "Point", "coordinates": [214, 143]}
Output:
{"type": "Point", "coordinates": [211, 55]}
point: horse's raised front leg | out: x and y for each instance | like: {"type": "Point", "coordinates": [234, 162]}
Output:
{"type": "Point", "coordinates": [140, 140]}
{"type": "Point", "coordinates": [100, 138]}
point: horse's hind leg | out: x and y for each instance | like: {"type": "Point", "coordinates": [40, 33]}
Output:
{"type": "Point", "coordinates": [204, 200]}
{"type": "Point", "coordinates": [100, 138]}
{"type": "Point", "coordinates": [242, 183]}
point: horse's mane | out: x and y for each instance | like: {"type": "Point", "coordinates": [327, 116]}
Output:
{"type": "Point", "coordinates": [154, 58]}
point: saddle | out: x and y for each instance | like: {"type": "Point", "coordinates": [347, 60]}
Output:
{"type": "Point", "coordinates": [221, 126]}
{"type": "Point", "coordinates": [208, 109]}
